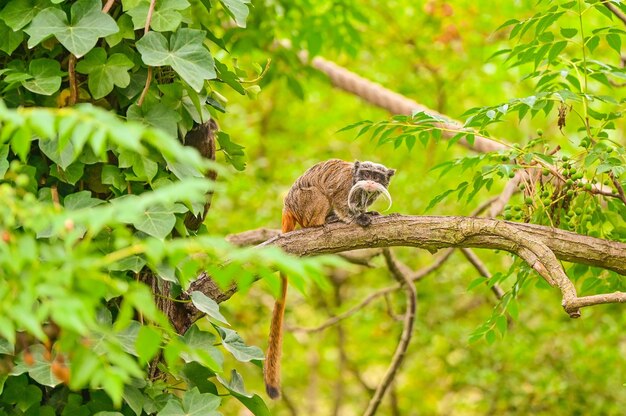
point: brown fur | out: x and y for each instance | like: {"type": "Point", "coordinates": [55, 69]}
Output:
{"type": "Point", "coordinates": [320, 192]}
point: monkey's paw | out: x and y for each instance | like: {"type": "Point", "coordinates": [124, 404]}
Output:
{"type": "Point", "coordinates": [363, 220]}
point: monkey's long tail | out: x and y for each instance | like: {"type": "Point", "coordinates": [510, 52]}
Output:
{"type": "Point", "coordinates": [274, 350]}
{"type": "Point", "coordinates": [275, 342]}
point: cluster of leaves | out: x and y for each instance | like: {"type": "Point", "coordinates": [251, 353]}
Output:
{"type": "Point", "coordinates": [113, 60]}
{"type": "Point", "coordinates": [93, 204]}
{"type": "Point", "coordinates": [70, 261]}
{"type": "Point", "coordinates": [576, 183]}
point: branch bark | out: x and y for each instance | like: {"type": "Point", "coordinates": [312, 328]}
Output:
{"type": "Point", "coordinates": [541, 247]}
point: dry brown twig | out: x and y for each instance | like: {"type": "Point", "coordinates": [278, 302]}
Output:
{"type": "Point", "coordinates": [146, 29]}
{"type": "Point", "coordinates": [616, 11]}
{"type": "Point", "coordinates": [399, 272]}
{"type": "Point", "coordinates": [108, 6]}
{"type": "Point", "coordinates": [541, 247]}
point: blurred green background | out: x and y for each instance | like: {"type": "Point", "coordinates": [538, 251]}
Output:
{"type": "Point", "coordinates": [436, 53]}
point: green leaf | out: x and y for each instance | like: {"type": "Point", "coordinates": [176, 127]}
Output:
{"type": "Point", "coordinates": [194, 403]}
{"type": "Point", "coordinates": [615, 42]}
{"type": "Point", "coordinates": [556, 49]}
{"type": "Point", "coordinates": [9, 39]}
{"type": "Point", "coordinates": [238, 9]}
{"type": "Point", "coordinates": [185, 53]}
{"type": "Point", "coordinates": [81, 200]}
{"type": "Point", "coordinates": [208, 306]}
{"type": "Point", "coordinates": [105, 73]}
{"type": "Point", "coordinates": [126, 31]}
{"type": "Point", "coordinates": [46, 76]}
{"type": "Point", "coordinates": [236, 388]}
{"type": "Point", "coordinates": [157, 115]}
{"type": "Point", "coordinates": [19, 13]}
{"type": "Point", "coordinates": [156, 221]}
{"type": "Point", "coordinates": [134, 398]}
{"type": "Point", "coordinates": [40, 370]}
{"type": "Point", "coordinates": [88, 23]}
{"type": "Point", "coordinates": [235, 385]}
{"type": "Point", "coordinates": [235, 345]}
{"type": "Point", "coordinates": [165, 17]}
{"type": "Point", "coordinates": [205, 353]}
{"type": "Point", "coordinates": [568, 32]}
{"type": "Point", "coordinates": [148, 343]}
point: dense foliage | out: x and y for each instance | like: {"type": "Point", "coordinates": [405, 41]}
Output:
{"type": "Point", "coordinates": [96, 186]}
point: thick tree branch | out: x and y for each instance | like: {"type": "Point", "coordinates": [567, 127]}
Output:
{"type": "Point", "coordinates": [541, 247]}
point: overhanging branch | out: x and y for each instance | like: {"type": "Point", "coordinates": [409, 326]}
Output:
{"type": "Point", "coordinates": [542, 247]}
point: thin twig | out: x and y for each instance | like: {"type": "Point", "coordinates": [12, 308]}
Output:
{"type": "Point", "coordinates": [416, 276]}
{"type": "Point", "coordinates": [146, 87]}
{"type": "Point", "coordinates": [72, 74]}
{"type": "Point", "coordinates": [618, 186]}
{"type": "Point", "coordinates": [108, 6]}
{"type": "Point", "coordinates": [405, 337]}
{"type": "Point", "coordinates": [617, 12]}
{"type": "Point", "coordinates": [473, 258]}
{"type": "Point", "coordinates": [146, 29]}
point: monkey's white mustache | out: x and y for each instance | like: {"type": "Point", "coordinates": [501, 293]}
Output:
{"type": "Point", "coordinates": [369, 192]}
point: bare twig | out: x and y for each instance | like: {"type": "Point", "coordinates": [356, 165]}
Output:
{"type": "Point", "coordinates": [618, 186]}
{"type": "Point", "coordinates": [405, 338]}
{"type": "Point", "coordinates": [146, 29]}
{"type": "Point", "coordinates": [617, 12]}
{"type": "Point", "coordinates": [71, 65]}
{"type": "Point", "coordinates": [108, 6]}
{"type": "Point", "coordinates": [416, 276]}
{"type": "Point", "coordinates": [616, 297]}
{"type": "Point", "coordinates": [473, 258]}
{"type": "Point", "coordinates": [146, 87]}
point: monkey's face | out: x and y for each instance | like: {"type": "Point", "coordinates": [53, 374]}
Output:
{"type": "Point", "coordinates": [369, 180]}
{"type": "Point", "coordinates": [370, 171]}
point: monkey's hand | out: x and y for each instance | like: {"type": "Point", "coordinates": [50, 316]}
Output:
{"type": "Point", "coordinates": [332, 217]}
{"type": "Point", "coordinates": [363, 219]}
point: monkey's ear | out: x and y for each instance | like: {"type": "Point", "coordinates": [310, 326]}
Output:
{"type": "Point", "coordinates": [355, 168]}
{"type": "Point", "coordinates": [390, 173]}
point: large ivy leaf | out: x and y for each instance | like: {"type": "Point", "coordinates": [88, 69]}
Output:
{"type": "Point", "coordinates": [204, 345]}
{"type": "Point", "coordinates": [105, 72]}
{"type": "Point", "coordinates": [125, 24]}
{"type": "Point", "coordinates": [185, 53]}
{"type": "Point", "coordinates": [87, 24]}
{"type": "Point", "coordinates": [194, 403]}
{"type": "Point", "coordinates": [252, 401]}
{"type": "Point", "coordinates": [235, 345]}
{"type": "Point", "coordinates": [238, 9]}
{"type": "Point", "coordinates": [9, 39]}
{"type": "Point", "coordinates": [19, 13]}
{"type": "Point", "coordinates": [156, 221]}
{"type": "Point", "coordinates": [40, 370]}
{"type": "Point", "coordinates": [46, 76]}
{"type": "Point", "coordinates": [165, 17]}
{"type": "Point", "coordinates": [157, 115]}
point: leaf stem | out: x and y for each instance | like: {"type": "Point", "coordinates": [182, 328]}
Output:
{"type": "Point", "coordinates": [146, 29]}
{"type": "Point", "coordinates": [72, 74]}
